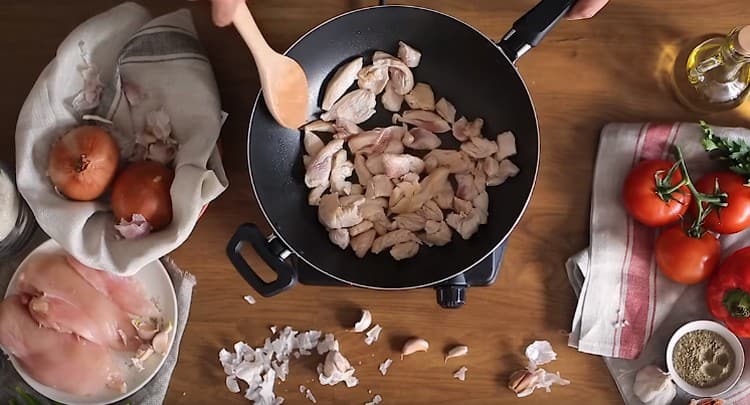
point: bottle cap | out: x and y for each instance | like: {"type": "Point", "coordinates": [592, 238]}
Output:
{"type": "Point", "coordinates": [743, 40]}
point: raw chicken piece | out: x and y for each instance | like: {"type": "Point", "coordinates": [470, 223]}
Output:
{"type": "Point", "coordinates": [126, 292]}
{"type": "Point", "coordinates": [314, 197]}
{"type": "Point", "coordinates": [345, 129]}
{"type": "Point", "coordinates": [421, 97]}
{"type": "Point", "coordinates": [357, 189]}
{"type": "Point", "coordinates": [428, 188]}
{"type": "Point", "coordinates": [410, 177]}
{"type": "Point", "coordinates": [465, 225]}
{"type": "Point", "coordinates": [340, 82]}
{"type": "Point", "coordinates": [360, 228]}
{"type": "Point", "coordinates": [62, 300]}
{"type": "Point", "coordinates": [463, 129]}
{"type": "Point", "coordinates": [481, 205]}
{"type": "Point", "coordinates": [375, 141]}
{"type": "Point", "coordinates": [378, 55]}
{"type": "Point", "coordinates": [334, 216]}
{"type": "Point", "coordinates": [410, 221]}
{"type": "Point", "coordinates": [478, 147]}
{"type": "Point", "coordinates": [404, 190]}
{"type": "Point", "coordinates": [437, 233]}
{"type": "Point", "coordinates": [360, 167]}
{"type": "Point", "coordinates": [374, 77]}
{"type": "Point", "coordinates": [405, 250]}
{"type": "Point", "coordinates": [455, 161]}
{"type": "Point", "coordinates": [339, 237]}
{"type": "Point", "coordinates": [491, 168]}
{"type": "Point", "coordinates": [399, 165]}
{"type": "Point", "coordinates": [341, 169]}
{"type": "Point", "coordinates": [306, 160]}
{"type": "Point", "coordinates": [506, 170]}
{"type": "Point", "coordinates": [408, 55]}
{"type": "Point", "coordinates": [362, 243]}
{"type": "Point", "coordinates": [320, 126]}
{"type": "Point", "coordinates": [506, 145]}
{"type": "Point", "coordinates": [349, 200]}
{"type": "Point", "coordinates": [401, 77]}
{"type": "Point", "coordinates": [465, 187]}
{"type": "Point", "coordinates": [480, 178]}
{"type": "Point", "coordinates": [421, 139]}
{"type": "Point", "coordinates": [313, 144]}
{"type": "Point", "coordinates": [393, 238]}
{"type": "Point", "coordinates": [431, 211]}
{"type": "Point", "coordinates": [444, 197]}
{"type": "Point", "coordinates": [319, 170]}
{"type": "Point", "coordinates": [381, 224]}
{"type": "Point", "coordinates": [356, 106]}
{"type": "Point", "coordinates": [379, 186]}
{"type": "Point", "coordinates": [391, 100]}
{"type": "Point", "coordinates": [57, 360]}
{"type": "Point", "coordinates": [462, 207]}
{"type": "Point", "coordinates": [423, 119]}
{"type": "Point", "coordinates": [446, 110]}
{"type": "Point", "coordinates": [394, 145]}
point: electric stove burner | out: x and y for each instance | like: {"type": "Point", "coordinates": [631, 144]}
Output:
{"type": "Point", "coordinates": [450, 293]}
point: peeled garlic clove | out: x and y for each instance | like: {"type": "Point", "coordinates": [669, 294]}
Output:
{"type": "Point", "coordinates": [364, 322]}
{"type": "Point", "coordinates": [161, 340]}
{"type": "Point", "coordinates": [522, 382]}
{"type": "Point", "coordinates": [654, 386]}
{"type": "Point", "coordinates": [146, 329]}
{"type": "Point", "coordinates": [457, 351]}
{"type": "Point", "coordinates": [414, 345]}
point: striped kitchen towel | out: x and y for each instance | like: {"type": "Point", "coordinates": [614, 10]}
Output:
{"type": "Point", "coordinates": [627, 310]}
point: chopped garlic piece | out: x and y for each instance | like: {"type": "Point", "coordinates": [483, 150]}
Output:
{"type": "Point", "coordinates": [384, 366]}
{"type": "Point", "coordinates": [375, 400]}
{"type": "Point", "coordinates": [249, 298]}
{"type": "Point", "coordinates": [373, 334]}
{"type": "Point", "coordinates": [309, 395]}
{"type": "Point", "coordinates": [461, 373]}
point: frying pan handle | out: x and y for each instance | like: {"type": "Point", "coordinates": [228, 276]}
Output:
{"type": "Point", "coordinates": [529, 30]}
{"type": "Point", "coordinates": [271, 250]}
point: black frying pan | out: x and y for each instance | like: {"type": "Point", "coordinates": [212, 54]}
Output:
{"type": "Point", "coordinates": [462, 65]}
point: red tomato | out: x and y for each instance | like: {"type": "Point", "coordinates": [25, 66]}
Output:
{"type": "Point", "coordinates": [735, 216]}
{"type": "Point", "coordinates": [685, 259]}
{"type": "Point", "coordinates": [727, 293]}
{"type": "Point", "coordinates": [642, 201]}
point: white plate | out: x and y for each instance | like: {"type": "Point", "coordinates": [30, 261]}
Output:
{"type": "Point", "coordinates": [158, 286]}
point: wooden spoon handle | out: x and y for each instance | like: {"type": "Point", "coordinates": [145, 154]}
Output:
{"type": "Point", "coordinates": [244, 23]}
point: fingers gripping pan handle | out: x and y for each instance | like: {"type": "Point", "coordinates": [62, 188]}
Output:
{"type": "Point", "coordinates": [528, 31]}
{"type": "Point", "coordinates": [271, 250]}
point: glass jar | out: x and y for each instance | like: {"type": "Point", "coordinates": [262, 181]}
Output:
{"type": "Point", "coordinates": [17, 222]}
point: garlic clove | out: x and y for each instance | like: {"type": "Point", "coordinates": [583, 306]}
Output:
{"type": "Point", "coordinates": [522, 380]}
{"type": "Point", "coordinates": [146, 329]}
{"type": "Point", "coordinates": [143, 353]}
{"type": "Point", "coordinates": [456, 351]}
{"type": "Point", "coordinates": [161, 340]}
{"type": "Point", "coordinates": [364, 322]}
{"type": "Point", "coordinates": [414, 345]}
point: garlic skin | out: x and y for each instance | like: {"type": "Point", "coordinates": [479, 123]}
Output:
{"type": "Point", "coordinates": [457, 351]}
{"type": "Point", "coordinates": [654, 387]}
{"type": "Point", "coordinates": [414, 345]}
{"type": "Point", "coordinates": [336, 369]}
{"type": "Point", "coordinates": [364, 322]}
{"type": "Point", "coordinates": [147, 329]}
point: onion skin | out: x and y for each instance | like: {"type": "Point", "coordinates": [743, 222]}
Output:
{"type": "Point", "coordinates": [143, 188]}
{"type": "Point", "coordinates": [83, 162]}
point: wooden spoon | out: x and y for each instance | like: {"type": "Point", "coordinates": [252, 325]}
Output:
{"type": "Point", "coordinates": [282, 79]}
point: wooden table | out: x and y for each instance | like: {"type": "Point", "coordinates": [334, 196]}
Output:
{"type": "Point", "coordinates": [585, 74]}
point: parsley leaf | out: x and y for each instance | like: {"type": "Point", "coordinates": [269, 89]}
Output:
{"type": "Point", "coordinates": [734, 152]}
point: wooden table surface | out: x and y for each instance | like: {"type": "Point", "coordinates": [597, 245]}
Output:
{"type": "Point", "coordinates": [585, 74]}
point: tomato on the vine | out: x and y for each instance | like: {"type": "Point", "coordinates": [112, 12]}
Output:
{"type": "Point", "coordinates": [685, 258]}
{"type": "Point", "coordinates": [650, 194]}
{"type": "Point", "coordinates": [735, 216]}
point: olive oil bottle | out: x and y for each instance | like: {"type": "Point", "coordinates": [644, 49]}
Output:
{"type": "Point", "coordinates": [715, 75]}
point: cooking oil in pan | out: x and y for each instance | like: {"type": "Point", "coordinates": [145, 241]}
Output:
{"type": "Point", "coordinates": [715, 75]}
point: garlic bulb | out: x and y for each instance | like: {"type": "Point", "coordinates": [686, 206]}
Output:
{"type": "Point", "coordinates": [654, 387]}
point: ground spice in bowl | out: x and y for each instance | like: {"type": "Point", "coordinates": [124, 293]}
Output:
{"type": "Point", "coordinates": [703, 358]}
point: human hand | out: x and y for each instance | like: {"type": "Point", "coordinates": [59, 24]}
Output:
{"type": "Point", "coordinates": [223, 11]}
{"type": "Point", "coordinates": [586, 9]}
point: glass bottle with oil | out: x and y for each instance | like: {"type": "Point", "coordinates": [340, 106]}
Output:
{"type": "Point", "coordinates": [715, 75]}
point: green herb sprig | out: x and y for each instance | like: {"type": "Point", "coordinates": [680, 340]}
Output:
{"type": "Point", "coordinates": [735, 153]}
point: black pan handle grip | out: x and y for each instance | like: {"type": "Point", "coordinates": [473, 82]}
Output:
{"type": "Point", "coordinates": [529, 30]}
{"type": "Point", "coordinates": [271, 250]}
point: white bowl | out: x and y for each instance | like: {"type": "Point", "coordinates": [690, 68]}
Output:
{"type": "Point", "coordinates": [156, 284]}
{"type": "Point", "coordinates": [734, 344]}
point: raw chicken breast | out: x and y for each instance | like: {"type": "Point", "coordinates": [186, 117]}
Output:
{"type": "Point", "coordinates": [437, 233]}
{"type": "Point", "coordinates": [313, 143]}
{"type": "Point", "coordinates": [410, 221]}
{"type": "Point", "coordinates": [408, 55]}
{"type": "Point", "coordinates": [319, 170]}
{"type": "Point", "coordinates": [361, 227]}
{"type": "Point", "coordinates": [126, 292]}
{"type": "Point", "coordinates": [463, 129]}
{"type": "Point", "coordinates": [391, 100]}
{"type": "Point", "coordinates": [506, 170]}
{"type": "Point", "coordinates": [444, 197]}
{"type": "Point", "coordinates": [478, 147]}
{"type": "Point", "coordinates": [465, 225]}
{"type": "Point", "coordinates": [431, 211]}
{"type": "Point", "coordinates": [341, 169]}
{"type": "Point", "coordinates": [375, 164]}
{"type": "Point", "coordinates": [379, 186]}
{"type": "Point", "coordinates": [423, 119]}
{"type": "Point", "coordinates": [421, 139]}
{"type": "Point", "coordinates": [455, 161]}
{"type": "Point", "coordinates": [360, 167]}
{"type": "Point", "coordinates": [405, 250]}
{"type": "Point", "coordinates": [446, 110]}
{"type": "Point", "coordinates": [333, 215]}
{"type": "Point", "coordinates": [465, 187]}
{"type": "Point", "coordinates": [362, 243]}
{"type": "Point", "coordinates": [401, 77]}
{"type": "Point", "coordinates": [340, 82]}
{"type": "Point", "coordinates": [356, 106]}
{"type": "Point", "coordinates": [393, 238]}
{"type": "Point", "coordinates": [378, 55]}
{"type": "Point", "coordinates": [374, 77]}
{"type": "Point", "coordinates": [345, 129]}
{"type": "Point", "coordinates": [481, 206]}
{"type": "Point", "coordinates": [320, 126]}
{"type": "Point", "coordinates": [462, 207]}
{"type": "Point", "coordinates": [428, 188]}
{"type": "Point", "coordinates": [421, 97]}
{"type": "Point", "coordinates": [339, 237]}
{"type": "Point", "coordinates": [58, 360]}
{"type": "Point", "coordinates": [506, 145]}
{"type": "Point", "coordinates": [399, 165]}
{"type": "Point", "coordinates": [314, 197]}
{"type": "Point", "coordinates": [63, 300]}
